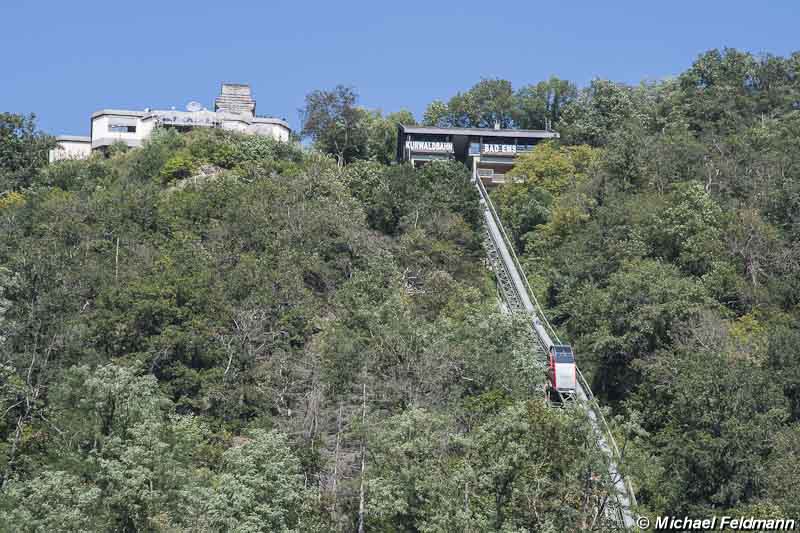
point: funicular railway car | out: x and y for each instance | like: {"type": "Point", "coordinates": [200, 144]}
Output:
{"type": "Point", "coordinates": [561, 374]}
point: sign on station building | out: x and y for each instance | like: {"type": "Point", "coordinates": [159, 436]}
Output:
{"type": "Point", "coordinates": [489, 152]}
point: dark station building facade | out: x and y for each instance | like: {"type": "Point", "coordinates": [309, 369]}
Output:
{"type": "Point", "coordinates": [489, 152]}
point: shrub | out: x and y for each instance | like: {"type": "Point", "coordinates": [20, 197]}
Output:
{"type": "Point", "coordinates": [179, 166]}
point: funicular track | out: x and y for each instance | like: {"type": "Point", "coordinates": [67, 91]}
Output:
{"type": "Point", "coordinates": [519, 298]}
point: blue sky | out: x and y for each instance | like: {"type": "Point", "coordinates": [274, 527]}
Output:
{"type": "Point", "coordinates": [63, 60]}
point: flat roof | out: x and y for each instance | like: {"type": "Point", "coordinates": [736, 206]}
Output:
{"type": "Point", "coordinates": [270, 120]}
{"type": "Point", "coordinates": [74, 138]}
{"type": "Point", "coordinates": [486, 132]}
{"type": "Point", "coordinates": [119, 113]}
{"type": "Point", "coordinates": [257, 119]}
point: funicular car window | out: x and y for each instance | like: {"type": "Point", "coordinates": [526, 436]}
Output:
{"type": "Point", "coordinates": [564, 355]}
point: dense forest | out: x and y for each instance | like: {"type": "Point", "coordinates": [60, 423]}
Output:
{"type": "Point", "coordinates": [217, 332]}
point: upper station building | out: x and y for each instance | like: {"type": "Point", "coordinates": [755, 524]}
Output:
{"type": "Point", "coordinates": [489, 152]}
{"type": "Point", "coordinates": [234, 109]}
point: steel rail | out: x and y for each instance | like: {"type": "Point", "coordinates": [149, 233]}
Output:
{"type": "Point", "coordinates": [505, 254]}
{"type": "Point", "coordinates": [485, 196]}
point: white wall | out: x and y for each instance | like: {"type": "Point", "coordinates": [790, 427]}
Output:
{"type": "Point", "coordinates": [276, 131]}
{"type": "Point", "coordinates": [101, 132]}
{"type": "Point", "coordinates": [235, 125]}
{"type": "Point", "coordinates": [70, 150]}
{"type": "Point", "coordinates": [102, 136]}
{"type": "Point", "coordinates": [145, 127]}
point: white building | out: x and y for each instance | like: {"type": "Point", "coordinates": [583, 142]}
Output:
{"type": "Point", "coordinates": [234, 109]}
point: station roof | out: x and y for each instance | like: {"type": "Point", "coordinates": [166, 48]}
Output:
{"type": "Point", "coordinates": [486, 132]}
{"type": "Point", "coordinates": [74, 138]}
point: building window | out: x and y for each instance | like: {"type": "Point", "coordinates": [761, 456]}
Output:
{"type": "Point", "coordinates": [121, 128]}
{"type": "Point", "coordinates": [524, 148]}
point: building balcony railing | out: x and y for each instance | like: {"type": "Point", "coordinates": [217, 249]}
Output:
{"type": "Point", "coordinates": [489, 177]}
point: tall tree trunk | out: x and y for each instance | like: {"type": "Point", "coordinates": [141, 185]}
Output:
{"type": "Point", "coordinates": [116, 263]}
{"type": "Point", "coordinates": [362, 506]}
{"type": "Point", "coordinates": [336, 462]}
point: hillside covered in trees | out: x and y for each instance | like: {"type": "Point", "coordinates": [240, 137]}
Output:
{"type": "Point", "coordinates": [218, 332]}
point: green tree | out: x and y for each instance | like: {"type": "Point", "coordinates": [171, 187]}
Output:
{"type": "Point", "coordinates": [630, 319]}
{"type": "Point", "coordinates": [715, 90]}
{"type": "Point", "coordinates": [382, 135]}
{"type": "Point", "coordinates": [783, 357]}
{"type": "Point", "coordinates": [554, 168]}
{"type": "Point", "coordinates": [53, 501]}
{"type": "Point", "coordinates": [688, 232]}
{"type": "Point", "coordinates": [600, 109]}
{"type": "Point", "coordinates": [260, 488]}
{"type": "Point", "coordinates": [782, 468]}
{"type": "Point", "coordinates": [503, 475]}
{"type": "Point", "coordinates": [335, 123]}
{"type": "Point", "coordinates": [523, 206]}
{"type": "Point", "coordinates": [494, 102]}
{"type": "Point", "coordinates": [488, 102]}
{"type": "Point", "coordinates": [23, 150]}
{"type": "Point", "coordinates": [713, 420]}
{"type": "Point", "coordinates": [539, 106]}
{"type": "Point", "coordinates": [180, 166]}
{"type": "Point", "coordinates": [436, 114]}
